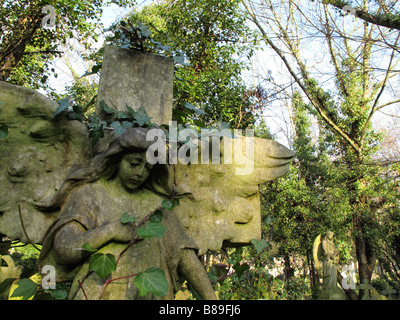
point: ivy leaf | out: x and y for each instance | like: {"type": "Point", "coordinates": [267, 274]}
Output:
{"type": "Point", "coordinates": [126, 218]}
{"type": "Point", "coordinates": [191, 107]}
{"type": "Point", "coordinates": [125, 46]}
{"type": "Point", "coordinates": [153, 281]}
{"type": "Point", "coordinates": [241, 268]}
{"type": "Point", "coordinates": [96, 128]}
{"type": "Point", "coordinates": [26, 289]}
{"type": "Point", "coordinates": [157, 217]}
{"type": "Point", "coordinates": [259, 245]}
{"type": "Point", "coordinates": [120, 128]}
{"type": "Point", "coordinates": [222, 126]}
{"type": "Point", "coordinates": [170, 204]}
{"type": "Point", "coordinates": [3, 131]}
{"type": "Point", "coordinates": [103, 264]}
{"type": "Point", "coordinates": [96, 68]}
{"type": "Point", "coordinates": [106, 108]}
{"type": "Point", "coordinates": [145, 31]}
{"type": "Point", "coordinates": [88, 247]}
{"type": "Point", "coordinates": [60, 293]}
{"type": "Point", "coordinates": [131, 111]}
{"type": "Point", "coordinates": [122, 115]}
{"type": "Point", "coordinates": [151, 230]}
{"type": "Point", "coordinates": [141, 117]}
{"type": "Point", "coordinates": [96, 134]}
{"type": "Point", "coordinates": [166, 48]}
{"type": "Point", "coordinates": [63, 105]}
{"type": "Point", "coordinates": [180, 59]}
{"type": "Point", "coordinates": [6, 284]}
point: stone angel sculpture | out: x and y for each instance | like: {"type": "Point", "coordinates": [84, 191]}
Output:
{"type": "Point", "coordinates": [326, 258]}
{"type": "Point", "coordinates": [56, 192]}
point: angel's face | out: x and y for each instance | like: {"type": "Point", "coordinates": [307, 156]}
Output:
{"type": "Point", "coordinates": [329, 235]}
{"type": "Point", "coordinates": [133, 170]}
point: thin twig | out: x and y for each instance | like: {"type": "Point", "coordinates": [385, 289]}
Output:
{"type": "Point", "coordinates": [105, 285]}
{"type": "Point", "coordinates": [44, 52]}
{"type": "Point", "coordinates": [83, 290]}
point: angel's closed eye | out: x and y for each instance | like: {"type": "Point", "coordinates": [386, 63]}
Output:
{"type": "Point", "coordinates": [42, 130]}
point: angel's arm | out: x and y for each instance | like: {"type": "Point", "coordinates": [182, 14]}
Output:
{"type": "Point", "coordinates": [70, 239]}
{"type": "Point", "coordinates": [195, 274]}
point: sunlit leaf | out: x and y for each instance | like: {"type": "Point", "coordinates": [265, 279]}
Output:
{"type": "Point", "coordinates": [126, 218]}
{"type": "Point", "coordinates": [102, 264]}
{"type": "Point", "coordinates": [141, 117]}
{"type": "Point", "coordinates": [157, 217]}
{"type": "Point", "coordinates": [88, 247]}
{"type": "Point", "coordinates": [151, 230]}
{"type": "Point", "coordinates": [106, 108]}
{"type": "Point", "coordinates": [120, 128]}
{"type": "Point", "coordinates": [259, 245]}
{"type": "Point", "coordinates": [63, 105]}
{"type": "Point", "coordinates": [153, 281]}
{"type": "Point", "coordinates": [26, 289]}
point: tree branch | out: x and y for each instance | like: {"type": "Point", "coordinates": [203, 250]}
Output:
{"type": "Point", "coordinates": [44, 51]}
{"type": "Point", "coordinates": [388, 20]}
{"type": "Point", "coordinates": [304, 86]}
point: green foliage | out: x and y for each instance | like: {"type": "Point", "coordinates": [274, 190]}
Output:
{"type": "Point", "coordinates": [96, 128]}
{"type": "Point", "coordinates": [119, 121]}
{"type": "Point", "coordinates": [156, 217]}
{"type": "Point", "coordinates": [60, 292]}
{"type": "Point", "coordinates": [259, 245]}
{"type": "Point", "coordinates": [152, 280]}
{"type": "Point", "coordinates": [63, 105]}
{"type": "Point", "coordinates": [3, 131]}
{"type": "Point", "coordinates": [204, 37]}
{"type": "Point", "coordinates": [26, 289]}
{"type": "Point", "coordinates": [126, 218]}
{"type": "Point", "coordinates": [30, 47]}
{"type": "Point", "coordinates": [83, 93]}
{"type": "Point", "coordinates": [251, 279]}
{"type": "Point", "coordinates": [103, 264]}
{"type": "Point", "coordinates": [151, 230]}
{"type": "Point", "coordinates": [170, 204]}
{"type": "Point", "coordinates": [88, 247]}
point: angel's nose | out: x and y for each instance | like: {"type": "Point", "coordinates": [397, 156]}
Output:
{"type": "Point", "coordinates": [18, 169]}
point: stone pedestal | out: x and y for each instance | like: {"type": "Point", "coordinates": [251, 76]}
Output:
{"type": "Point", "coordinates": [137, 79]}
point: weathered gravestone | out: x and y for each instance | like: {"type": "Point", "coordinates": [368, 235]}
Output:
{"type": "Point", "coordinates": [56, 192]}
{"type": "Point", "coordinates": [137, 79]}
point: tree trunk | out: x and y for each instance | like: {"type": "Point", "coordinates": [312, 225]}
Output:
{"type": "Point", "coordinates": [288, 270]}
{"type": "Point", "coordinates": [365, 257]}
{"type": "Point", "coordinates": [351, 294]}
{"type": "Point", "coordinates": [12, 51]}
{"type": "Point", "coordinates": [4, 245]}
{"type": "Point", "coordinates": [314, 280]}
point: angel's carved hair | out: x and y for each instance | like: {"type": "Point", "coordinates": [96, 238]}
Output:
{"type": "Point", "coordinates": [102, 165]}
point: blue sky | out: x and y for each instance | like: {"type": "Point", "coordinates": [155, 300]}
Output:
{"type": "Point", "coordinates": [110, 13]}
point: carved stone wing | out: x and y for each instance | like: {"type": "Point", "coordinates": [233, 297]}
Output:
{"type": "Point", "coordinates": [317, 254]}
{"type": "Point", "coordinates": [35, 157]}
{"type": "Point", "coordinates": [223, 208]}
